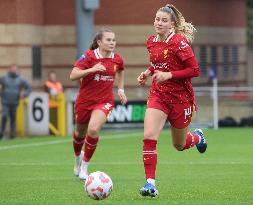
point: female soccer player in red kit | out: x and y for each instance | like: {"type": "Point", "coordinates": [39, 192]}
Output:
{"type": "Point", "coordinates": [96, 70]}
{"type": "Point", "coordinates": [172, 65]}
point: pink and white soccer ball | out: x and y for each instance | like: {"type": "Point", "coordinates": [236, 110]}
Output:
{"type": "Point", "coordinates": [98, 185]}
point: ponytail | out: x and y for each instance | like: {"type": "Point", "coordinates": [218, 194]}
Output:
{"type": "Point", "coordinates": [181, 26]}
{"type": "Point", "coordinates": [98, 36]}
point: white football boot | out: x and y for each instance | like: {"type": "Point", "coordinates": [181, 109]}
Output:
{"type": "Point", "coordinates": [77, 165]}
{"type": "Point", "coordinates": [83, 174]}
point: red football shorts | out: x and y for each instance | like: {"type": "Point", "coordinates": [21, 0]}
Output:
{"type": "Point", "coordinates": [83, 112]}
{"type": "Point", "coordinates": [179, 115]}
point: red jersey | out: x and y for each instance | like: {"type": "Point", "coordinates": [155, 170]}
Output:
{"type": "Point", "coordinates": [169, 56]}
{"type": "Point", "coordinates": [98, 87]}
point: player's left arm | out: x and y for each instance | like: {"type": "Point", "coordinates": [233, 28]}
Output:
{"type": "Point", "coordinates": [190, 65]}
{"type": "Point", "coordinates": [121, 81]}
{"type": "Point", "coordinates": [191, 69]}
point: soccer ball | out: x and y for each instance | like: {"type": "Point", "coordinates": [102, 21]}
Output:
{"type": "Point", "coordinates": [98, 185]}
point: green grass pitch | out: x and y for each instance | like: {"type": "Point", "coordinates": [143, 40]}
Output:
{"type": "Point", "coordinates": [40, 170]}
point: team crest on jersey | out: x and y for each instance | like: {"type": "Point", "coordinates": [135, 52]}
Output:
{"type": "Point", "coordinates": [115, 68]}
{"type": "Point", "coordinates": [165, 53]}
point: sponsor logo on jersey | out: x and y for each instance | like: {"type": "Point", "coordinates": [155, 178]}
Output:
{"type": "Point", "coordinates": [159, 65]}
{"type": "Point", "coordinates": [99, 77]}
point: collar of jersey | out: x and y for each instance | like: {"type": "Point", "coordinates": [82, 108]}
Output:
{"type": "Point", "coordinates": [98, 54]}
{"type": "Point", "coordinates": [166, 40]}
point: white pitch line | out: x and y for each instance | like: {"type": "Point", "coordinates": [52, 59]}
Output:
{"type": "Point", "coordinates": [124, 163]}
{"type": "Point", "coordinates": [38, 144]}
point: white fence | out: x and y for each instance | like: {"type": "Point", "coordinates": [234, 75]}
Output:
{"type": "Point", "coordinates": [219, 102]}
{"type": "Point", "coordinates": [214, 103]}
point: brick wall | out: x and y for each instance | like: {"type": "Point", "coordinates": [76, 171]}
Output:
{"type": "Point", "coordinates": [51, 25]}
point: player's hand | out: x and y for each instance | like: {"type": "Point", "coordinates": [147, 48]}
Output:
{"type": "Point", "coordinates": [122, 96]}
{"type": "Point", "coordinates": [142, 79]}
{"type": "Point", "coordinates": [98, 67]}
{"type": "Point", "coordinates": [160, 76]}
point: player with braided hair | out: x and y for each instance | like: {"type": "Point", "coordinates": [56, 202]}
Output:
{"type": "Point", "coordinates": [172, 65]}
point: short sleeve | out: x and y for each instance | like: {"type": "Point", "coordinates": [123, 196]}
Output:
{"type": "Point", "coordinates": [120, 62]}
{"type": "Point", "coordinates": [83, 62]}
{"type": "Point", "coordinates": [149, 40]}
{"type": "Point", "coordinates": [183, 50]}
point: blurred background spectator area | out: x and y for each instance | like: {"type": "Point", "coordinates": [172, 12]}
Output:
{"type": "Point", "coordinates": [40, 36]}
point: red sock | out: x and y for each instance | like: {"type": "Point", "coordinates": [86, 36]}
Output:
{"type": "Point", "coordinates": [77, 144]}
{"type": "Point", "coordinates": [191, 140]}
{"type": "Point", "coordinates": [89, 147]}
{"type": "Point", "coordinates": [149, 157]}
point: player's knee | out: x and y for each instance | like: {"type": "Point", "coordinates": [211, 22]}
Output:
{"type": "Point", "coordinates": [79, 135]}
{"type": "Point", "coordinates": [93, 130]}
{"type": "Point", "coordinates": [149, 135]}
{"type": "Point", "coordinates": [179, 147]}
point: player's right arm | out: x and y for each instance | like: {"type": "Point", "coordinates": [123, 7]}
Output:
{"type": "Point", "coordinates": [78, 73]}
{"type": "Point", "coordinates": [143, 77]}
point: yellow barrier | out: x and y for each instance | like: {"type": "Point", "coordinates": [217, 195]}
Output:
{"type": "Point", "coordinates": [60, 105]}
{"type": "Point", "coordinates": [59, 129]}
{"type": "Point", "coordinates": [20, 117]}
{"type": "Point", "coordinates": [61, 115]}
{"type": "Point", "coordinates": [53, 129]}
